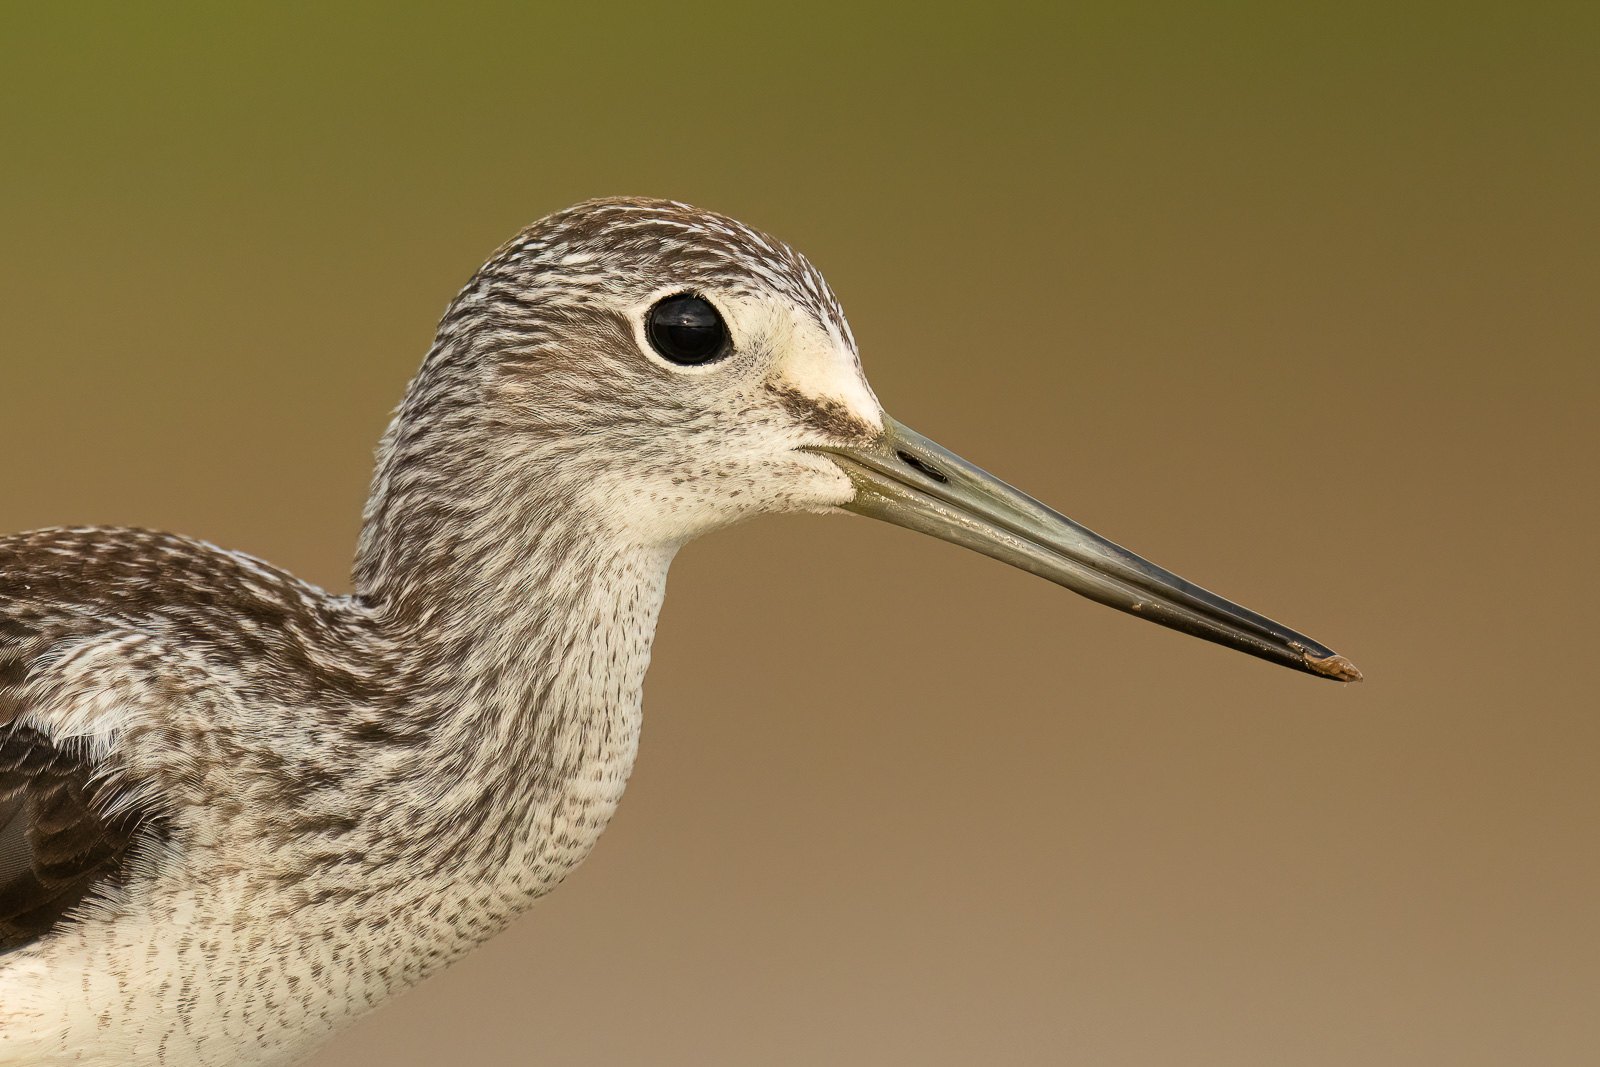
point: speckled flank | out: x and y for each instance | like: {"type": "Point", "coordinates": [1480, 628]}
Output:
{"type": "Point", "coordinates": [236, 813]}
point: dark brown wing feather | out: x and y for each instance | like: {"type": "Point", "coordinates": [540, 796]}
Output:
{"type": "Point", "coordinates": [60, 838]}
{"type": "Point", "coordinates": [58, 843]}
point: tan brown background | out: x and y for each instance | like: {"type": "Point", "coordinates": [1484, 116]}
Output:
{"type": "Point", "coordinates": [1303, 306]}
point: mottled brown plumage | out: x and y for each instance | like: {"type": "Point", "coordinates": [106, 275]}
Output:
{"type": "Point", "coordinates": [238, 812]}
{"type": "Point", "coordinates": [248, 811]}
{"type": "Point", "coordinates": [71, 818]}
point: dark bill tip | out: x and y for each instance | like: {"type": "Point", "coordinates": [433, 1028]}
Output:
{"type": "Point", "coordinates": [1335, 667]}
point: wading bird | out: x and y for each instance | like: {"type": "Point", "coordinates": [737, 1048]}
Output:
{"type": "Point", "coordinates": [237, 812]}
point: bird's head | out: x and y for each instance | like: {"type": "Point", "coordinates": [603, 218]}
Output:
{"type": "Point", "coordinates": [662, 371]}
{"type": "Point", "coordinates": [676, 365]}
{"type": "Point", "coordinates": [663, 368]}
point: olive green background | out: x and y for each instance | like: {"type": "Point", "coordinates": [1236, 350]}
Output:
{"type": "Point", "coordinates": [1302, 303]}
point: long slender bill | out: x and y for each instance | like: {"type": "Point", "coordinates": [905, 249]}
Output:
{"type": "Point", "coordinates": [904, 478]}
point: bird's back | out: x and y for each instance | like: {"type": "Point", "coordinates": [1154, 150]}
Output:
{"type": "Point", "coordinates": [144, 679]}
{"type": "Point", "coordinates": [105, 635]}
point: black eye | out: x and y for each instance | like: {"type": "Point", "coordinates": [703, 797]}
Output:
{"type": "Point", "coordinates": [687, 329]}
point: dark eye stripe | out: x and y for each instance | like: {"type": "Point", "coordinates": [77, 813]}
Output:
{"type": "Point", "coordinates": [686, 329]}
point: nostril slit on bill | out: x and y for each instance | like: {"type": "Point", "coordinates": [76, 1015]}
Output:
{"type": "Point", "coordinates": [926, 468]}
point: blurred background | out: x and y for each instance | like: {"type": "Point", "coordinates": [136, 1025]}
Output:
{"type": "Point", "coordinates": [1301, 302]}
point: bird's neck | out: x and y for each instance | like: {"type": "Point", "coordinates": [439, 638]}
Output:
{"type": "Point", "coordinates": [522, 624]}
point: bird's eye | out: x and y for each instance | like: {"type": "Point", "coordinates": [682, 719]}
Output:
{"type": "Point", "coordinates": [687, 329]}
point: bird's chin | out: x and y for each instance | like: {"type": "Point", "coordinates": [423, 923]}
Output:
{"type": "Point", "coordinates": [826, 485]}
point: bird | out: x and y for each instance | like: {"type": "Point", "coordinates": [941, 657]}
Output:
{"type": "Point", "coordinates": [238, 812]}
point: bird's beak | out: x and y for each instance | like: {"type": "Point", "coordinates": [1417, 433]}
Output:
{"type": "Point", "coordinates": [904, 478]}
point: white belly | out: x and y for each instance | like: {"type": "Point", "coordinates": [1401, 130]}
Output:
{"type": "Point", "coordinates": [225, 972]}
{"type": "Point", "coordinates": [174, 987]}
